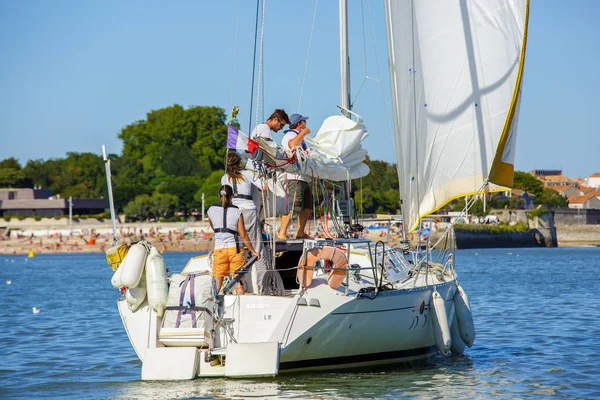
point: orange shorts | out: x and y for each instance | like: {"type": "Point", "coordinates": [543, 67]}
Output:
{"type": "Point", "coordinates": [226, 261]}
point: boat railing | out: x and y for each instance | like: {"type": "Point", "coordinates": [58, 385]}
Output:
{"type": "Point", "coordinates": [345, 244]}
{"type": "Point", "coordinates": [439, 253]}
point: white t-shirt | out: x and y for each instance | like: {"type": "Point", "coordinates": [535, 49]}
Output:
{"type": "Point", "coordinates": [289, 135]}
{"type": "Point", "coordinates": [243, 188]}
{"type": "Point", "coordinates": [224, 240]}
{"type": "Point", "coordinates": [263, 131]}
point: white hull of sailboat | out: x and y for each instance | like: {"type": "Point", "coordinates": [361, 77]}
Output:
{"type": "Point", "coordinates": [320, 329]}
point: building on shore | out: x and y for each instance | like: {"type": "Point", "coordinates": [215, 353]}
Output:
{"type": "Point", "coordinates": [40, 202]}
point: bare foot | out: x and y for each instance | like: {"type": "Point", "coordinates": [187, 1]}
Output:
{"type": "Point", "coordinates": [302, 236]}
{"type": "Point", "coordinates": [281, 238]}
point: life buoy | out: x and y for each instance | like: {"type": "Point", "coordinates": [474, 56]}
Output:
{"type": "Point", "coordinates": [328, 253]}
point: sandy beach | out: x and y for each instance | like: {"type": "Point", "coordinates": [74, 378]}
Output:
{"type": "Point", "coordinates": [97, 239]}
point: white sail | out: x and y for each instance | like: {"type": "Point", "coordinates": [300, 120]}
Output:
{"type": "Point", "coordinates": [456, 72]}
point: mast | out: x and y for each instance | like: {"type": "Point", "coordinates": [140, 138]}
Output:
{"type": "Point", "coordinates": [344, 60]}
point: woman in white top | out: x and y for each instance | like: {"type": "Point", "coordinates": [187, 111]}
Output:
{"type": "Point", "coordinates": [224, 219]}
{"type": "Point", "coordinates": [242, 182]}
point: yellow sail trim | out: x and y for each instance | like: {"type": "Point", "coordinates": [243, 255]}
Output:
{"type": "Point", "coordinates": [459, 196]}
{"type": "Point", "coordinates": [502, 173]}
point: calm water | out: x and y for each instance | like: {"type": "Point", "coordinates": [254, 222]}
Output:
{"type": "Point", "coordinates": [536, 311]}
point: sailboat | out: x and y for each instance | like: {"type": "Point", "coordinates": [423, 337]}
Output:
{"type": "Point", "coordinates": [456, 72]}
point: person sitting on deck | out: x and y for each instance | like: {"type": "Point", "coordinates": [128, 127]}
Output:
{"type": "Point", "coordinates": [224, 219]}
{"type": "Point", "coordinates": [299, 196]}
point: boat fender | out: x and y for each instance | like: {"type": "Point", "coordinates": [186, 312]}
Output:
{"type": "Point", "coordinates": [458, 346]}
{"type": "Point", "coordinates": [116, 254]}
{"type": "Point", "coordinates": [133, 265]}
{"type": "Point", "coordinates": [466, 327]}
{"type": "Point", "coordinates": [116, 278]}
{"type": "Point", "coordinates": [328, 253]}
{"type": "Point", "coordinates": [135, 296]}
{"type": "Point", "coordinates": [156, 282]}
{"type": "Point", "coordinates": [441, 330]}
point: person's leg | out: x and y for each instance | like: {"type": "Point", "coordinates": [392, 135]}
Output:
{"type": "Point", "coordinates": [305, 202]}
{"type": "Point", "coordinates": [220, 267]}
{"type": "Point", "coordinates": [285, 222]}
{"type": "Point", "coordinates": [302, 220]}
{"type": "Point", "coordinates": [219, 281]}
{"type": "Point", "coordinates": [237, 261]}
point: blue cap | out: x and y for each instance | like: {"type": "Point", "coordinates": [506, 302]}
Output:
{"type": "Point", "coordinates": [295, 118]}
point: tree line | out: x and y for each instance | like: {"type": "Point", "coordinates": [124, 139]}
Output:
{"type": "Point", "coordinates": [175, 155]}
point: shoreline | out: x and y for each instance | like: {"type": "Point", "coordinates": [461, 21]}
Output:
{"type": "Point", "coordinates": [96, 237]}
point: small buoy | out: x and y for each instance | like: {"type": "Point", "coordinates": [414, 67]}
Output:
{"type": "Point", "coordinates": [36, 310]}
{"type": "Point", "coordinates": [31, 254]}
{"type": "Point", "coordinates": [8, 282]}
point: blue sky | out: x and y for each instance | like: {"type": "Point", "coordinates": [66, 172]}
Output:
{"type": "Point", "coordinates": [73, 73]}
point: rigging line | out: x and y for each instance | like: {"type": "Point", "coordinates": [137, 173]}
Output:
{"type": "Point", "coordinates": [253, 66]}
{"type": "Point", "coordinates": [237, 37]}
{"type": "Point", "coordinates": [260, 59]}
{"type": "Point", "coordinates": [312, 27]}
{"type": "Point", "coordinates": [362, 21]}
{"type": "Point", "coordinates": [385, 106]}
{"type": "Point", "coordinates": [468, 206]}
{"type": "Point", "coordinates": [262, 112]}
{"type": "Point", "coordinates": [412, 15]}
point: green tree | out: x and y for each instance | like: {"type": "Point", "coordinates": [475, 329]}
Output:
{"type": "Point", "coordinates": [184, 188]}
{"type": "Point", "coordinates": [174, 134]}
{"type": "Point", "coordinates": [543, 195]}
{"type": "Point", "coordinates": [528, 183]}
{"type": "Point", "coordinates": [163, 204]}
{"type": "Point", "coordinates": [139, 208]}
{"type": "Point", "coordinates": [11, 174]}
{"type": "Point", "coordinates": [210, 188]}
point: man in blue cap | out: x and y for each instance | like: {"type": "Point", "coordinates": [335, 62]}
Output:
{"type": "Point", "coordinates": [299, 196]}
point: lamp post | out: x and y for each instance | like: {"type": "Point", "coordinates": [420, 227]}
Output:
{"type": "Point", "coordinates": [202, 217]}
{"type": "Point", "coordinates": [70, 215]}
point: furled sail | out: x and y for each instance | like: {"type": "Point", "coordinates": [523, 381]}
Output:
{"type": "Point", "coordinates": [456, 71]}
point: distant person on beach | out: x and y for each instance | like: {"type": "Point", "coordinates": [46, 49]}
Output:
{"type": "Point", "coordinates": [243, 181]}
{"type": "Point", "coordinates": [299, 196]}
{"type": "Point", "coordinates": [225, 220]}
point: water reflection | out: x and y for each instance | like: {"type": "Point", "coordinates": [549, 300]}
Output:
{"type": "Point", "coordinates": [446, 378]}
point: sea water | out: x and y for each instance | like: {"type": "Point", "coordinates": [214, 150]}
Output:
{"type": "Point", "coordinates": [536, 311]}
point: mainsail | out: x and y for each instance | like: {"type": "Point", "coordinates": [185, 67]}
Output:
{"type": "Point", "coordinates": [456, 71]}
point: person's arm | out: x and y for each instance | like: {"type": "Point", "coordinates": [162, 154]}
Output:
{"type": "Point", "coordinates": [211, 225]}
{"type": "Point", "coordinates": [245, 238]}
{"type": "Point", "coordinates": [297, 141]}
{"type": "Point", "coordinates": [255, 180]}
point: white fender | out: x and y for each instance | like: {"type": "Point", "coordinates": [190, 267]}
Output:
{"type": "Point", "coordinates": [466, 327]}
{"type": "Point", "coordinates": [116, 279]}
{"type": "Point", "coordinates": [156, 282]}
{"type": "Point", "coordinates": [441, 330]}
{"type": "Point", "coordinates": [133, 265]}
{"type": "Point", "coordinates": [136, 295]}
{"type": "Point", "coordinates": [458, 346]}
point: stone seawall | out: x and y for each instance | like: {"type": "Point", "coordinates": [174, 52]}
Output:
{"type": "Point", "coordinates": [578, 235]}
